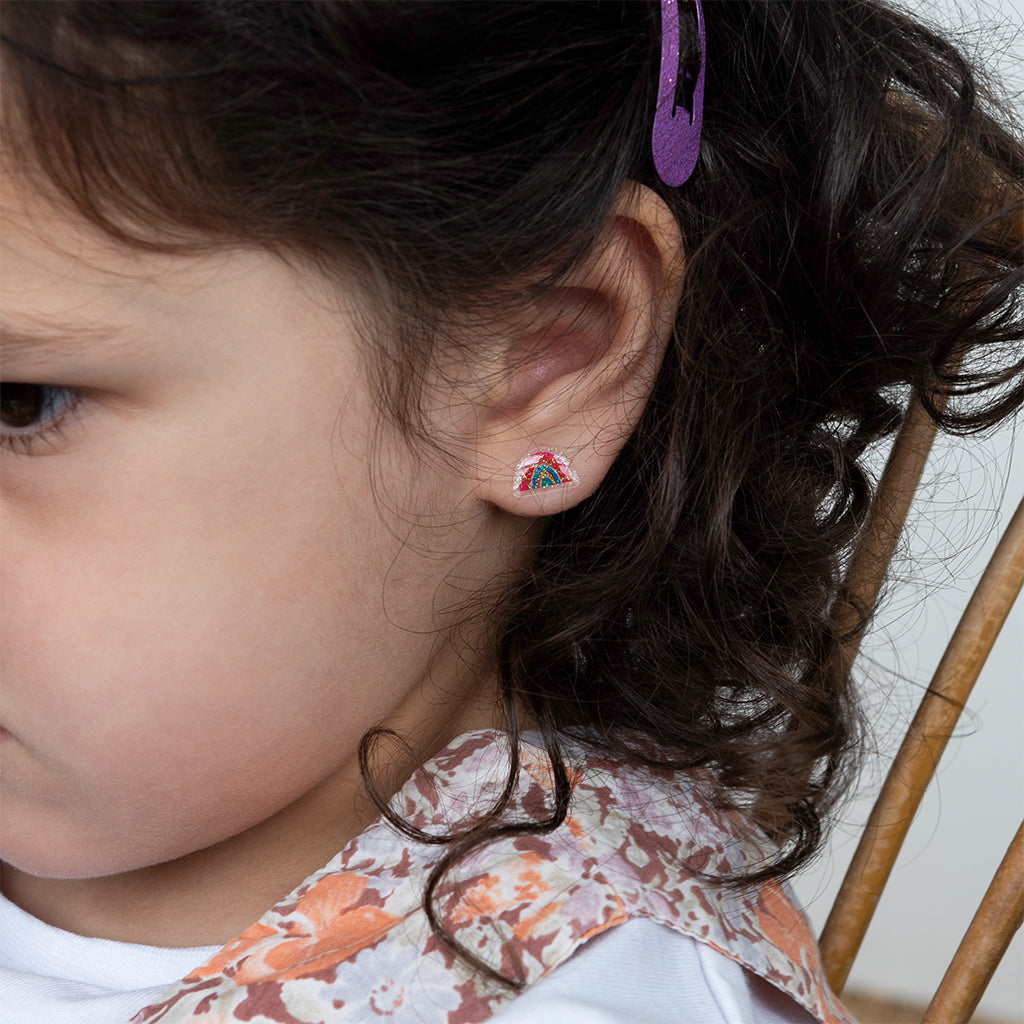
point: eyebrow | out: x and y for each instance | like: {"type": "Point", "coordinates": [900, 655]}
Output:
{"type": "Point", "coordinates": [44, 338]}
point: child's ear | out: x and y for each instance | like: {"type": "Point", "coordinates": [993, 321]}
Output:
{"type": "Point", "coordinates": [578, 374]}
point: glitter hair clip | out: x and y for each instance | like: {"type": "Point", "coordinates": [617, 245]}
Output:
{"type": "Point", "coordinates": [675, 141]}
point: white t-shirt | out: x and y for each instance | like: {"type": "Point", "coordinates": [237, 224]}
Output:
{"type": "Point", "coordinates": [637, 973]}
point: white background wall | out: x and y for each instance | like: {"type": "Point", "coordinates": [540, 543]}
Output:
{"type": "Point", "coordinates": [977, 801]}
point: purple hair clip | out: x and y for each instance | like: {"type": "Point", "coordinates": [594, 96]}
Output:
{"type": "Point", "coordinates": [675, 141]}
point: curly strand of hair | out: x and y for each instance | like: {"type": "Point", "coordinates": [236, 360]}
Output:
{"type": "Point", "coordinates": [486, 828]}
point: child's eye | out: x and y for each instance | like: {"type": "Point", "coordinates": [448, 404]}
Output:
{"type": "Point", "coordinates": [32, 412]}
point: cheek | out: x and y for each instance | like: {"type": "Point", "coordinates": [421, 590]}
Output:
{"type": "Point", "coordinates": [179, 665]}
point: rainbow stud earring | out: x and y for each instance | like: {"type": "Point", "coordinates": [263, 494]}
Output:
{"type": "Point", "coordinates": [543, 469]}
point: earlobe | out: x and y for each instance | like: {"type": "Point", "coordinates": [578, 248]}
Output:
{"type": "Point", "coordinates": [578, 374]}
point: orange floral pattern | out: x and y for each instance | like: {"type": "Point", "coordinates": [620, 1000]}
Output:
{"type": "Point", "coordinates": [352, 943]}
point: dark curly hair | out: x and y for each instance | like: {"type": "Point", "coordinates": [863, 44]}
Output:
{"type": "Point", "coordinates": [853, 236]}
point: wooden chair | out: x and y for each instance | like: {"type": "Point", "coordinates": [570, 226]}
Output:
{"type": "Point", "coordinates": [1002, 908]}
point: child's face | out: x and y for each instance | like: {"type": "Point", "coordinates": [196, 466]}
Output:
{"type": "Point", "coordinates": [205, 606]}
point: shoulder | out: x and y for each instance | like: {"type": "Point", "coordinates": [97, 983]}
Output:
{"type": "Point", "coordinates": [645, 973]}
{"type": "Point", "coordinates": [637, 843]}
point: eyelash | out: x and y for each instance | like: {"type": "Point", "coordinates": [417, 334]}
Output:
{"type": "Point", "coordinates": [55, 407]}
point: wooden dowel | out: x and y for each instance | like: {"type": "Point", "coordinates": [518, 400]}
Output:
{"type": "Point", "coordinates": [870, 563]}
{"type": "Point", "coordinates": [984, 943]}
{"type": "Point", "coordinates": [919, 754]}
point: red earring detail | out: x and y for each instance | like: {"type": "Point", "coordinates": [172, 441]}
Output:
{"type": "Point", "coordinates": [543, 469]}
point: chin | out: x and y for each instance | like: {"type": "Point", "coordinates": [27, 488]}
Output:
{"type": "Point", "coordinates": [60, 858]}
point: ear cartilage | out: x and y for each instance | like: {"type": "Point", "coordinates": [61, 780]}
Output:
{"type": "Point", "coordinates": [543, 469]}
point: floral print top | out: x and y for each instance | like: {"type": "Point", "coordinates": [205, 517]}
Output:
{"type": "Point", "coordinates": [352, 943]}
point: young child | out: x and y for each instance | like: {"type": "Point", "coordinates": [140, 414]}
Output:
{"type": "Point", "coordinates": [431, 448]}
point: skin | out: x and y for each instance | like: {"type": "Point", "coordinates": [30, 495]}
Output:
{"type": "Point", "coordinates": [210, 592]}
{"type": "Point", "coordinates": [224, 566]}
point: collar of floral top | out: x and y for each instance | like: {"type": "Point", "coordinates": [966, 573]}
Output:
{"type": "Point", "coordinates": [352, 943]}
